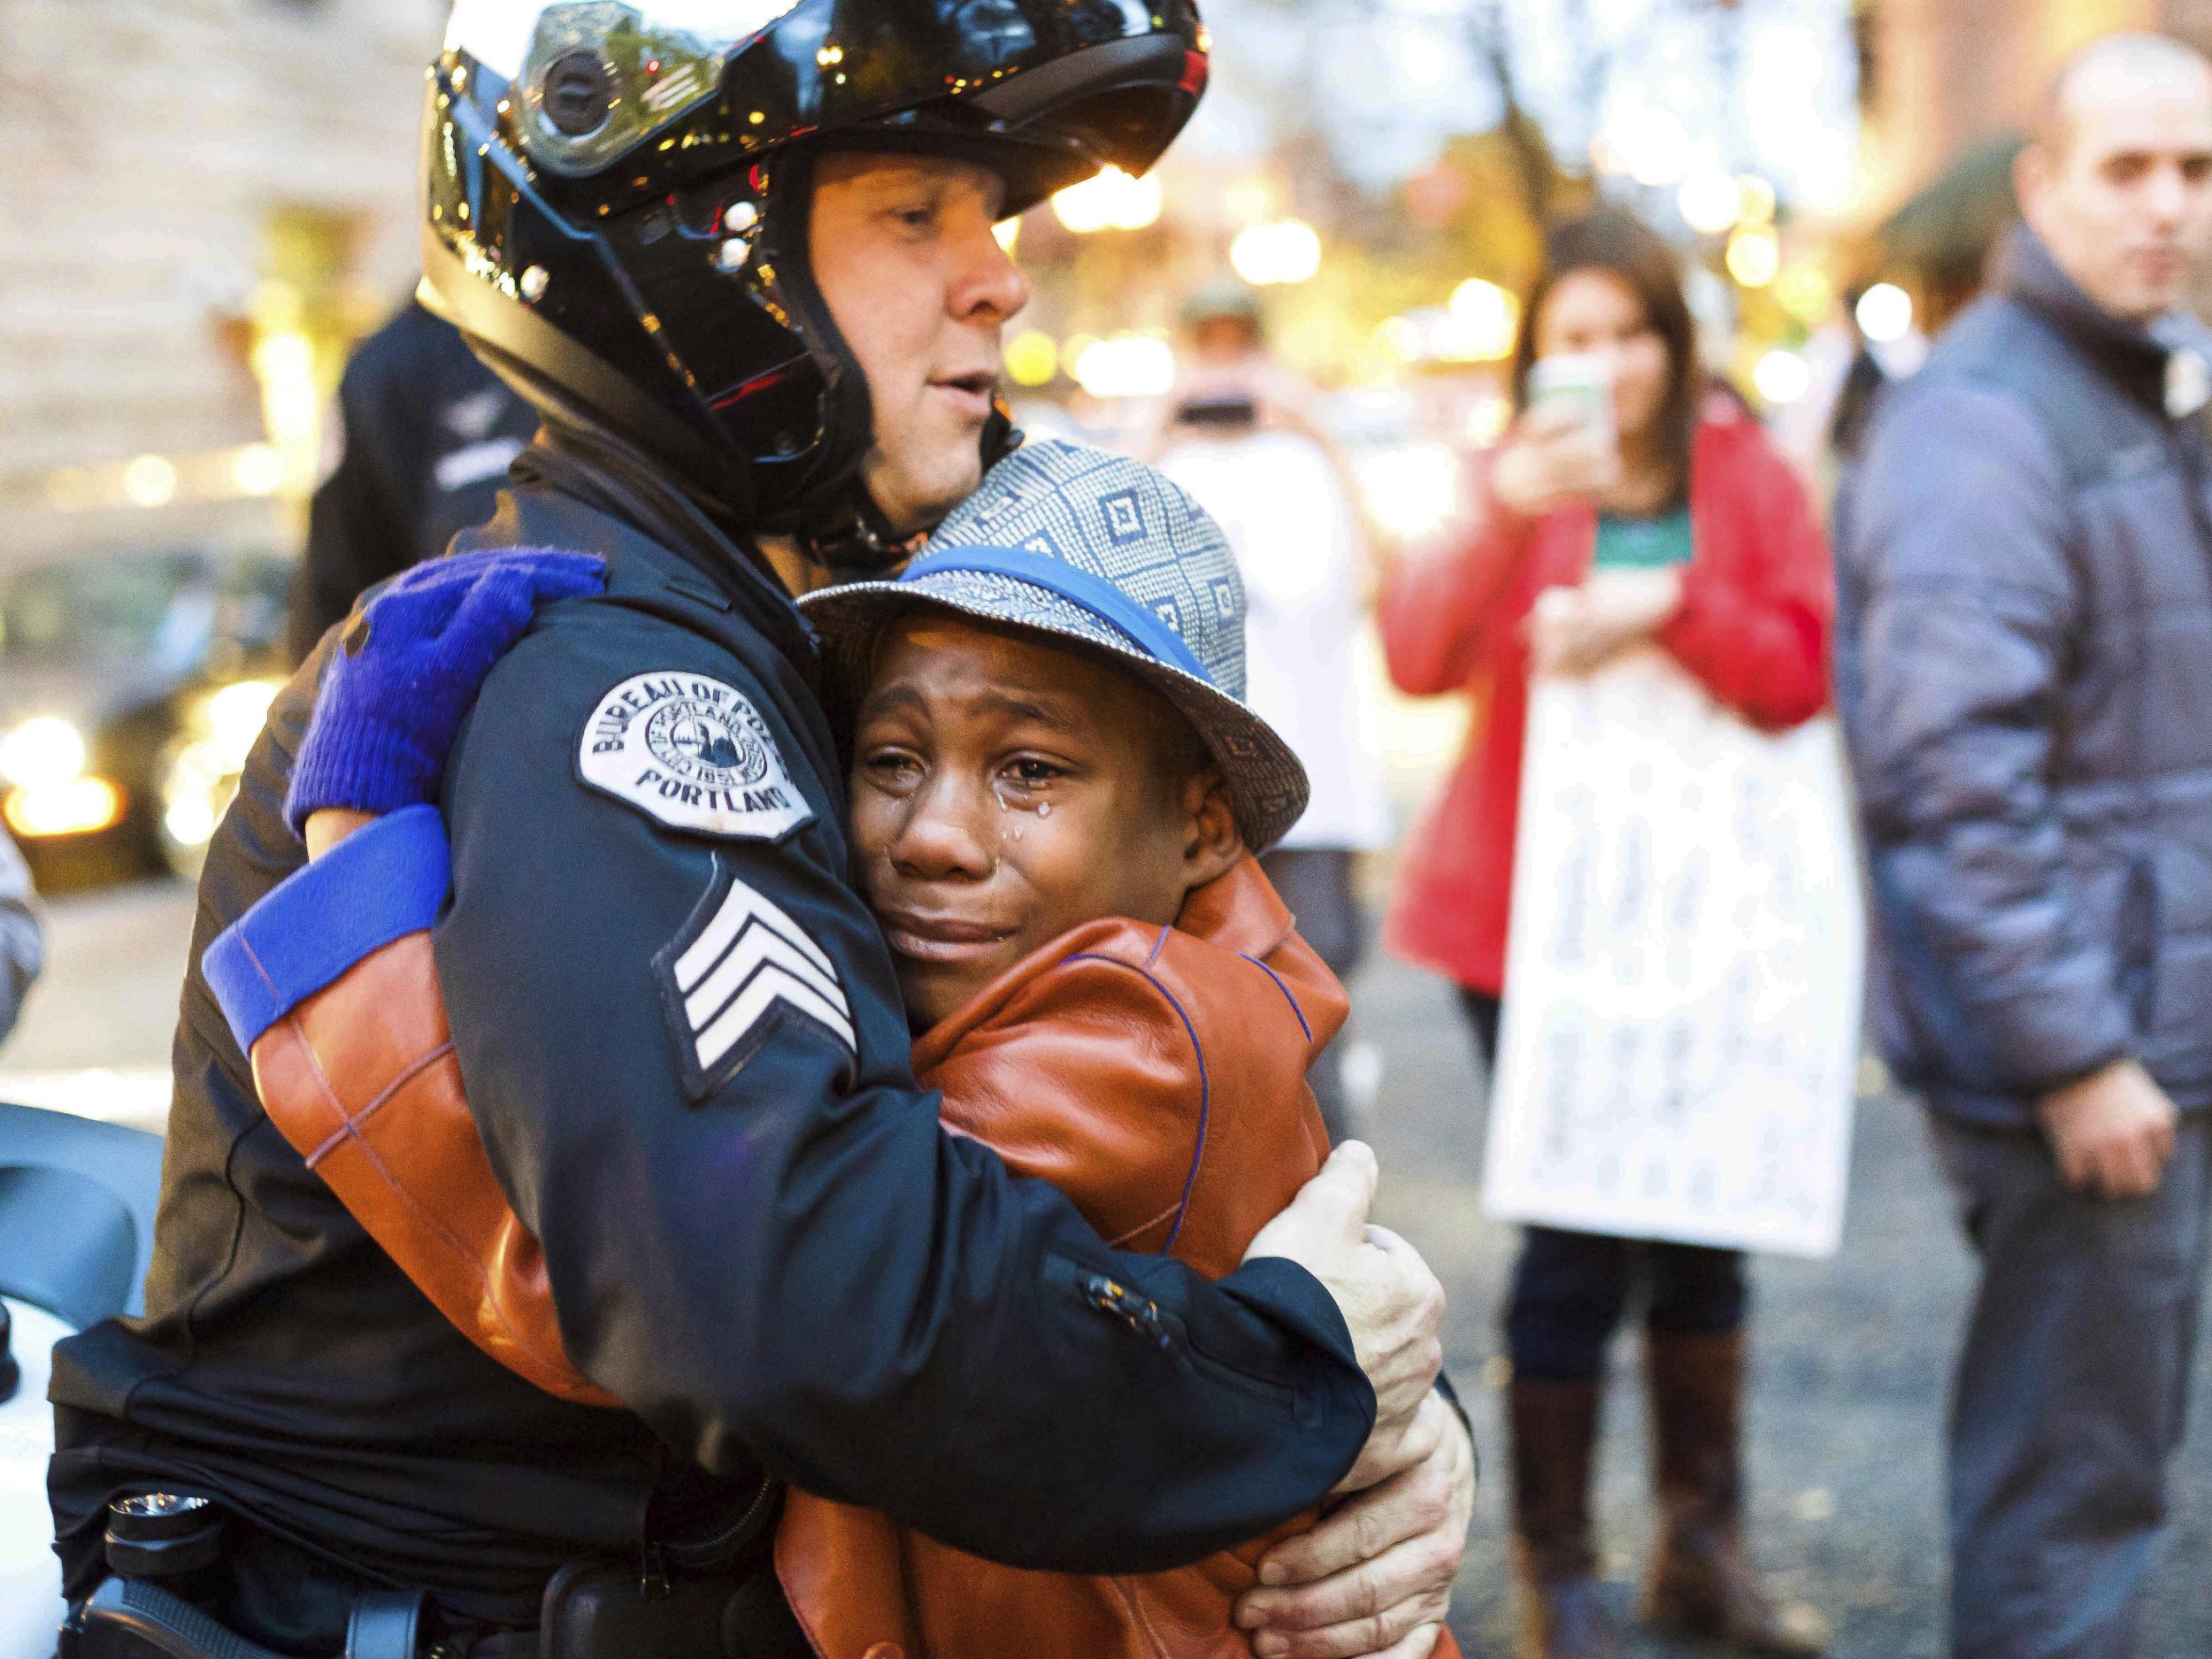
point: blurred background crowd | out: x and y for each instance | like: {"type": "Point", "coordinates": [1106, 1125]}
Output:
{"type": "Point", "coordinates": [184, 281]}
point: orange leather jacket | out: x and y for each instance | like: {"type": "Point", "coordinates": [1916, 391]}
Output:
{"type": "Point", "coordinates": [1154, 1075]}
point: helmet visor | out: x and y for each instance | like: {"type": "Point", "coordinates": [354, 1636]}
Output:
{"type": "Point", "coordinates": [595, 80]}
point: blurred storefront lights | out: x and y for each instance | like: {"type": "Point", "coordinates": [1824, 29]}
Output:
{"type": "Point", "coordinates": [190, 821]}
{"type": "Point", "coordinates": [1655, 146]}
{"type": "Point", "coordinates": [1885, 313]}
{"type": "Point", "coordinates": [1249, 200]}
{"type": "Point", "coordinates": [257, 469]}
{"type": "Point", "coordinates": [150, 481]}
{"type": "Point", "coordinates": [247, 471]}
{"type": "Point", "coordinates": [44, 749]}
{"type": "Point", "coordinates": [1399, 339]}
{"type": "Point", "coordinates": [1072, 351]}
{"type": "Point", "coordinates": [1032, 358]}
{"type": "Point", "coordinates": [1805, 292]}
{"type": "Point", "coordinates": [284, 365]}
{"type": "Point", "coordinates": [1709, 200]}
{"type": "Point", "coordinates": [1128, 365]}
{"type": "Point", "coordinates": [1754, 199]}
{"type": "Point", "coordinates": [1487, 421]}
{"type": "Point", "coordinates": [1485, 320]}
{"type": "Point", "coordinates": [1109, 200]}
{"type": "Point", "coordinates": [1754, 257]}
{"type": "Point", "coordinates": [81, 806]}
{"type": "Point", "coordinates": [1782, 377]}
{"type": "Point", "coordinates": [201, 776]}
{"type": "Point", "coordinates": [44, 760]}
{"type": "Point", "coordinates": [237, 713]}
{"type": "Point", "coordinates": [1284, 250]}
{"type": "Point", "coordinates": [1411, 489]}
{"type": "Point", "coordinates": [1009, 231]}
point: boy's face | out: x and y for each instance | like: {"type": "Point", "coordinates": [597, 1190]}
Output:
{"type": "Point", "coordinates": [1005, 790]}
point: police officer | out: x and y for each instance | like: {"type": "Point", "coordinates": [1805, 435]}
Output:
{"type": "Point", "coordinates": [740, 257]}
{"type": "Point", "coordinates": [423, 434]}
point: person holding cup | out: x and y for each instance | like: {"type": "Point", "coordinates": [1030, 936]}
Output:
{"type": "Point", "coordinates": [1629, 505]}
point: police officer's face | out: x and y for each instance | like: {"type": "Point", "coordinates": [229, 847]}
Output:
{"type": "Point", "coordinates": [905, 257]}
{"type": "Point", "coordinates": [1005, 790]}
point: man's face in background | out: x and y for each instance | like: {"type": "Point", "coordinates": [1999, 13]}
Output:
{"type": "Point", "coordinates": [2119, 183]}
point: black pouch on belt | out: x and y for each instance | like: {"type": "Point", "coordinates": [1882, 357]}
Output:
{"type": "Point", "coordinates": [594, 1611]}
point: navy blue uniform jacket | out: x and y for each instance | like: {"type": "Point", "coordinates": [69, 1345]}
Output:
{"type": "Point", "coordinates": [757, 1234]}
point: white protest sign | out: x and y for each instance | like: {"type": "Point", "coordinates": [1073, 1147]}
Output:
{"type": "Point", "coordinates": [1680, 1042]}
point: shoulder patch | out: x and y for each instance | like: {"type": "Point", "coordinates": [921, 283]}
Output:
{"type": "Point", "coordinates": [693, 753]}
{"type": "Point", "coordinates": [739, 969]}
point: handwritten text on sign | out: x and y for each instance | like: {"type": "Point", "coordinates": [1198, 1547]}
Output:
{"type": "Point", "coordinates": [1681, 1037]}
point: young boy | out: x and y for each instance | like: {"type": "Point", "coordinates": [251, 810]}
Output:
{"type": "Point", "coordinates": [1055, 793]}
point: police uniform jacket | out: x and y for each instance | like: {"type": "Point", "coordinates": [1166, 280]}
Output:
{"type": "Point", "coordinates": [757, 1237]}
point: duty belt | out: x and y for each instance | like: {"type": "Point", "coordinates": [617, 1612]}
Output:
{"type": "Point", "coordinates": [166, 1551]}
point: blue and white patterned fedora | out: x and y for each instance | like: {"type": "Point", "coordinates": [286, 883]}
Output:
{"type": "Point", "coordinates": [1099, 549]}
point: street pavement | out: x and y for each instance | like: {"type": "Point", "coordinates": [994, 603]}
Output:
{"type": "Point", "coordinates": [1850, 1355]}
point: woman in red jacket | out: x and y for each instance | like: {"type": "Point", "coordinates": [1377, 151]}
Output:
{"type": "Point", "coordinates": [1690, 530]}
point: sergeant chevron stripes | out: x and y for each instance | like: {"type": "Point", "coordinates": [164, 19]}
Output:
{"type": "Point", "coordinates": [748, 961]}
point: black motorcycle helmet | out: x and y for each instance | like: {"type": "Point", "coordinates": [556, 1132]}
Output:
{"type": "Point", "coordinates": [616, 197]}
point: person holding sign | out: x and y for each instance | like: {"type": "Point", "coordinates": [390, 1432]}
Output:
{"type": "Point", "coordinates": [1628, 506]}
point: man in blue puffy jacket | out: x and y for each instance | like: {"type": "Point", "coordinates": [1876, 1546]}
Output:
{"type": "Point", "coordinates": [2025, 577]}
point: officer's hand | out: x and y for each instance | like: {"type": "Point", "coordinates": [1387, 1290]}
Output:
{"type": "Point", "coordinates": [1390, 1301]}
{"type": "Point", "coordinates": [1374, 1576]}
{"type": "Point", "coordinates": [394, 693]}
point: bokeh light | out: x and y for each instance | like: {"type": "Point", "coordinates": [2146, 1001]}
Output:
{"type": "Point", "coordinates": [1109, 200]}
{"type": "Point", "coordinates": [1654, 145]}
{"type": "Point", "coordinates": [1486, 321]}
{"type": "Point", "coordinates": [1782, 377]}
{"type": "Point", "coordinates": [1805, 292]}
{"type": "Point", "coordinates": [1755, 258]}
{"type": "Point", "coordinates": [1128, 365]}
{"type": "Point", "coordinates": [1709, 200]}
{"type": "Point", "coordinates": [1885, 313]}
{"type": "Point", "coordinates": [150, 481]}
{"type": "Point", "coordinates": [1281, 251]}
{"type": "Point", "coordinates": [1032, 358]}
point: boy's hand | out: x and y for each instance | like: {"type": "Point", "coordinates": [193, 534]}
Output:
{"type": "Point", "coordinates": [1390, 1301]}
{"type": "Point", "coordinates": [324, 830]}
{"type": "Point", "coordinates": [396, 691]}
